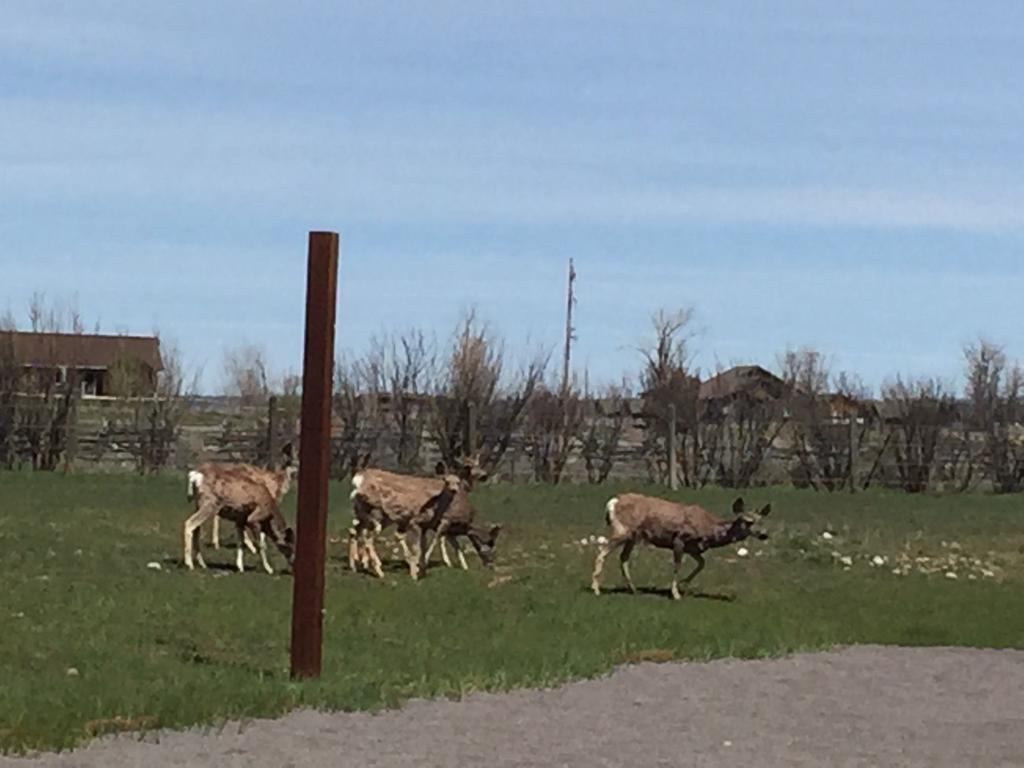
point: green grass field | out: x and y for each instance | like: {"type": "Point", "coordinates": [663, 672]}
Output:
{"type": "Point", "coordinates": [93, 640]}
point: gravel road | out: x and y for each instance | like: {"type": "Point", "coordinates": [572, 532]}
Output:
{"type": "Point", "coordinates": [862, 706]}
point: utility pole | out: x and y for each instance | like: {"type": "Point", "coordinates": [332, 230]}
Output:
{"type": "Point", "coordinates": [570, 332]}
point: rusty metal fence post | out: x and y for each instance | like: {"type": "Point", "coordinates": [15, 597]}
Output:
{"type": "Point", "coordinates": [314, 456]}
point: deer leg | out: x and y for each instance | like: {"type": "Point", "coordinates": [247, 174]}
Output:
{"type": "Point", "coordinates": [215, 534]}
{"type": "Point", "coordinates": [353, 548]}
{"type": "Point", "coordinates": [263, 554]}
{"type": "Point", "coordinates": [677, 559]}
{"type": "Point", "coordinates": [248, 540]}
{"type": "Point", "coordinates": [438, 537]}
{"type": "Point", "coordinates": [240, 546]}
{"type": "Point", "coordinates": [414, 557]}
{"type": "Point", "coordinates": [192, 544]}
{"type": "Point", "coordinates": [678, 555]}
{"type": "Point", "coordinates": [627, 550]}
{"type": "Point", "coordinates": [602, 555]}
{"type": "Point", "coordinates": [444, 554]}
{"type": "Point", "coordinates": [700, 567]}
{"type": "Point", "coordinates": [372, 558]}
{"type": "Point", "coordinates": [458, 550]}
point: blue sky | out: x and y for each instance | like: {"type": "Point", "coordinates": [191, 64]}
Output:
{"type": "Point", "coordinates": [845, 175]}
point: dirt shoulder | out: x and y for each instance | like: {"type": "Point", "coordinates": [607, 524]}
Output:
{"type": "Point", "coordinates": [863, 706]}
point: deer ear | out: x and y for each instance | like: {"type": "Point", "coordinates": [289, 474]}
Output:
{"type": "Point", "coordinates": [766, 510]}
{"type": "Point", "coordinates": [738, 506]}
{"type": "Point", "coordinates": [439, 468]}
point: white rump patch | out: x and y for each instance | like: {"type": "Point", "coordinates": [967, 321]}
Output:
{"type": "Point", "coordinates": [611, 507]}
{"type": "Point", "coordinates": [357, 480]}
{"type": "Point", "coordinates": [195, 482]}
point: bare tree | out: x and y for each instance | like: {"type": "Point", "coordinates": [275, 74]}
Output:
{"type": "Point", "coordinates": [994, 395]}
{"type": "Point", "coordinates": [245, 374]}
{"type": "Point", "coordinates": [599, 442]}
{"type": "Point", "coordinates": [480, 405]}
{"type": "Point", "coordinates": [827, 419]}
{"type": "Point", "coordinates": [44, 406]}
{"type": "Point", "coordinates": [667, 382]}
{"type": "Point", "coordinates": [358, 413]}
{"type": "Point", "coordinates": [402, 369]}
{"type": "Point", "coordinates": [922, 410]}
{"type": "Point", "coordinates": [158, 418]}
{"type": "Point", "coordinates": [552, 424]}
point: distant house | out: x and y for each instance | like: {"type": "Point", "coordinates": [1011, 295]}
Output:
{"type": "Point", "coordinates": [747, 381]}
{"type": "Point", "coordinates": [53, 357]}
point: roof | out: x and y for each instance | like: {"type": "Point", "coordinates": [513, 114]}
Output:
{"type": "Point", "coordinates": [743, 379]}
{"type": "Point", "coordinates": [79, 350]}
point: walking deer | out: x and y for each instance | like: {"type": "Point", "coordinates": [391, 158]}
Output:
{"type": "Point", "coordinates": [686, 529]}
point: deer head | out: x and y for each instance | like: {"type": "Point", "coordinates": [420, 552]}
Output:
{"type": "Point", "coordinates": [743, 526]}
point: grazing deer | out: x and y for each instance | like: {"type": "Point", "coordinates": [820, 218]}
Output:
{"type": "Point", "coordinates": [412, 504]}
{"type": "Point", "coordinates": [685, 529]}
{"type": "Point", "coordinates": [238, 496]}
{"type": "Point", "coordinates": [457, 520]}
{"type": "Point", "coordinates": [278, 483]}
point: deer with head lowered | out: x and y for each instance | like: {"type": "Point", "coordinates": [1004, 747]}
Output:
{"type": "Point", "coordinates": [416, 506]}
{"type": "Point", "coordinates": [458, 520]}
{"type": "Point", "coordinates": [278, 483]}
{"type": "Point", "coordinates": [248, 497]}
{"type": "Point", "coordinates": [686, 529]}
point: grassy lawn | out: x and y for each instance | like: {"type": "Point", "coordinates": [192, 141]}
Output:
{"type": "Point", "coordinates": [93, 640]}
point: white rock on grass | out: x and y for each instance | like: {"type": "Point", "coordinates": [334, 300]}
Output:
{"type": "Point", "coordinates": [847, 561]}
{"type": "Point", "coordinates": [878, 561]}
{"type": "Point", "coordinates": [743, 552]}
{"type": "Point", "coordinates": [950, 575]}
{"type": "Point", "coordinates": [827, 536]}
{"type": "Point", "coordinates": [154, 566]}
{"type": "Point", "coordinates": [602, 540]}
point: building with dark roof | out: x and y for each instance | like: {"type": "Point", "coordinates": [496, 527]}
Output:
{"type": "Point", "coordinates": [91, 357]}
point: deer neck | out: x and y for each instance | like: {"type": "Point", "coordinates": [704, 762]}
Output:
{"type": "Point", "coordinates": [727, 533]}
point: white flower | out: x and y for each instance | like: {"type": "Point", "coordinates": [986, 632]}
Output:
{"type": "Point", "coordinates": [950, 575]}
{"type": "Point", "coordinates": [743, 552]}
{"type": "Point", "coordinates": [72, 672]}
{"type": "Point", "coordinates": [154, 566]}
{"type": "Point", "coordinates": [846, 560]}
{"type": "Point", "coordinates": [827, 536]}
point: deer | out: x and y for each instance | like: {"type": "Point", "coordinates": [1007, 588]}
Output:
{"type": "Point", "coordinates": [237, 495]}
{"type": "Point", "coordinates": [686, 529]}
{"type": "Point", "coordinates": [278, 483]}
{"type": "Point", "coordinates": [457, 520]}
{"type": "Point", "coordinates": [413, 504]}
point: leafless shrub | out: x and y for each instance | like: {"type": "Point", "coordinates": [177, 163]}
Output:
{"type": "Point", "coordinates": [400, 370]}
{"type": "Point", "coordinates": [829, 420]}
{"type": "Point", "coordinates": [41, 402]}
{"type": "Point", "coordinates": [602, 432]}
{"type": "Point", "coordinates": [480, 405]}
{"type": "Point", "coordinates": [553, 421]}
{"type": "Point", "coordinates": [245, 374]}
{"type": "Point", "coordinates": [994, 395]}
{"type": "Point", "coordinates": [922, 409]}
{"type": "Point", "coordinates": [666, 381]}
{"type": "Point", "coordinates": [359, 420]}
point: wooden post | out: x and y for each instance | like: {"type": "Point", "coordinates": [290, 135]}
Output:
{"type": "Point", "coordinates": [673, 475]}
{"type": "Point", "coordinates": [314, 456]}
{"type": "Point", "coordinates": [273, 450]}
{"type": "Point", "coordinates": [71, 436]}
{"type": "Point", "coordinates": [569, 330]}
